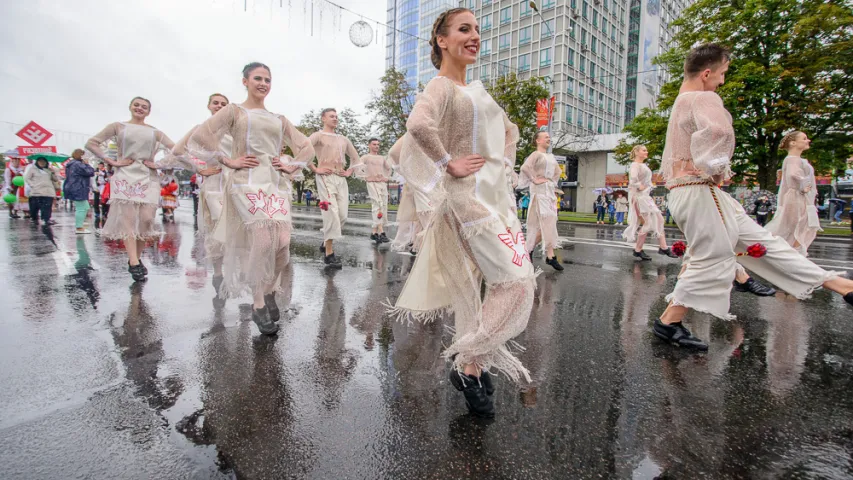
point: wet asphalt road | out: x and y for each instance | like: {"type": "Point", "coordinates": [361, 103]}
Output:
{"type": "Point", "coordinates": [104, 379]}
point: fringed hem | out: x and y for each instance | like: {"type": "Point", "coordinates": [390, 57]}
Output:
{"type": "Point", "coordinates": [829, 275]}
{"type": "Point", "coordinates": [405, 316]}
{"type": "Point", "coordinates": [150, 237]}
{"type": "Point", "coordinates": [670, 300]}
{"type": "Point", "coordinates": [479, 227]}
{"type": "Point", "coordinates": [501, 359]}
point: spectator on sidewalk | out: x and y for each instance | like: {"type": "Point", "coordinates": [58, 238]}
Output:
{"type": "Point", "coordinates": [621, 208]}
{"type": "Point", "coordinates": [78, 178]}
{"type": "Point", "coordinates": [41, 181]}
{"type": "Point", "coordinates": [600, 205]}
{"type": "Point", "coordinates": [611, 210]}
{"type": "Point", "coordinates": [308, 195]}
{"type": "Point", "coordinates": [524, 204]}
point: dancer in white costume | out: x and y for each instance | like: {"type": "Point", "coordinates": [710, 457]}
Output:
{"type": "Point", "coordinates": [414, 210]}
{"type": "Point", "coordinates": [255, 223]}
{"type": "Point", "coordinates": [700, 141]}
{"type": "Point", "coordinates": [331, 178]}
{"type": "Point", "coordinates": [541, 173]}
{"type": "Point", "coordinates": [644, 216]}
{"type": "Point", "coordinates": [135, 186]}
{"type": "Point", "coordinates": [212, 195]}
{"type": "Point", "coordinates": [458, 140]}
{"type": "Point", "coordinates": [375, 170]}
{"type": "Point", "coordinates": [796, 219]}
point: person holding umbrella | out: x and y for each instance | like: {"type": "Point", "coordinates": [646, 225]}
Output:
{"type": "Point", "coordinates": [41, 179]}
{"type": "Point", "coordinates": [78, 179]}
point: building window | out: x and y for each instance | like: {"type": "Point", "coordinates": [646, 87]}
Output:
{"type": "Point", "coordinates": [589, 121]}
{"type": "Point", "coordinates": [594, 43]}
{"type": "Point", "coordinates": [524, 62]}
{"type": "Point", "coordinates": [573, 27]}
{"type": "Point", "coordinates": [486, 22]}
{"type": "Point", "coordinates": [472, 4]}
{"type": "Point", "coordinates": [583, 64]}
{"type": "Point", "coordinates": [524, 36]}
{"type": "Point", "coordinates": [468, 75]}
{"type": "Point", "coordinates": [595, 18]}
{"type": "Point", "coordinates": [581, 89]}
{"type": "Point", "coordinates": [547, 30]}
{"type": "Point", "coordinates": [599, 125]}
{"type": "Point", "coordinates": [569, 114]}
{"type": "Point", "coordinates": [591, 97]}
{"type": "Point", "coordinates": [484, 74]}
{"type": "Point", "coordinates": [486, 2]}
{"type": "Point", "coordinates": [571, 57]}
{"type": "Point", "coordinates": [504, 41]}
{"type": "Point", "coordinates": [609, 105]}
{"type": "Point", "coordinates": [583, 36]}
{"type": "Point", "coordinates": [525, 9]}
{"type": "Point", "coordinates": [613, 32]}
{"type": "Point", "coordinates": [592, 69]}
{"type": "Point", "coordinates": [506, 15]}
{"type": "Point", "coordinates": [570, 86]}
{"type": "Point", "coordinates": [503, 67]}
{"type": "Point", "coordinates": [545, 57]}
{"type": "Point", "coordinates": [604, 25]}
{"type": "Point", "coordinates": [585, 9]}
{"type": "Point", "coordinates": [600, 100]}
{"type": "Point", "coordinates": [546, 4]}
{"type": "Point", "coordinates": [485, 47]}
{"type": "Point", "coordinates": [580, 118]}
{"type": "Point", "coordinates": [574, 4]}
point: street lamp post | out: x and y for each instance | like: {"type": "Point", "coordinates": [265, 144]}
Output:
{"type": "Point", "coordinates": [553, 67]}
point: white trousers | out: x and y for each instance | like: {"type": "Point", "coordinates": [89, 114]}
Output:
{"type": "Point", "coordinates": [714, 235]}
{"type": "Point", "coordinates": [333, 189]}
{"type": "Point", "coordinates": [378, 194]}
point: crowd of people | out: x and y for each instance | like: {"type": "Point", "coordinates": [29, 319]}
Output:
{"type": "Point", "coordinates": [457, 209]}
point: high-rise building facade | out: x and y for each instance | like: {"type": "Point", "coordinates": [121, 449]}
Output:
{"type": "Point", "coordinates": [410, 26]}
{"type": "Point", "coordinates": [597, 53]}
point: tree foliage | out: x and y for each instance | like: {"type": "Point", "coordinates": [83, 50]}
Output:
{"type": "Point", "coordinates": [390, 107]}
{"type": "Point", "coordinates": [518, 99]}
{"type": "Point", "coordinates": [792, 68]}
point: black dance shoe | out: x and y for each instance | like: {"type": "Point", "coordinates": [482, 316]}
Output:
{"type": "Point", "coordinates": [383, 238]}
{"type": "Point", "coordinates": [667, 252]}
{"type": "Point", "coordinates": [136, 272]}
{"type": "Point", "coordinates": [374, 237]}
{"type": "Point", "coordinates": [754, 288]}
{"type": "Point", "coordinates": [144, 268]}
{"type": "Point", "coordinates": [476, 393]}
{"type": "Point", "coordinates": [848, 297]}
{"type": "Point", "coordinates": [555, 263]}
{"type": "Point", "coordinates": [261, 317]}
{"type": "Point", "coordinates": [272, 308]}
{"type": "Point", "coordinates": [333, 261]}
{"type": "Point", "coordinates": [642, 255]}
{"type": "Point", "coordinates": [677, 334]}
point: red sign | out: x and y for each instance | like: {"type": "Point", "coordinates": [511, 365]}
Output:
{"type": "Point", "coordinates": [543, 112]}
{"type": "Point", "coordinates": [34, 134]}
{"type": "Point", "coordinates": [24, 151]}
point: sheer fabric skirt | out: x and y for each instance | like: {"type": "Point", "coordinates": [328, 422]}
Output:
{"type": "Point", "coordinates": [644, 217]}
{"type": "Point", "coordinates": [255, 255]}
{"type": "Point", "coordinates": [542, 219]}
{"type": "Point", "coordinates": [795, 224]}
{"type": "Point", "coordinates": [210, 205]}
{"type": "Point", "coordinates": [714, 235]}
{"type": "Point", "coordinates": [131, 221]}
{"type": "Point", "coordinates": [413, 215]}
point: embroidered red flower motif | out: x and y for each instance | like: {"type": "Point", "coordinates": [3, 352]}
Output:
{"type": "Point", "coordinates": [324, 205]}
{"type": "Point", "coordinates": [269, 204]}
{"type": "Point", "coordinates": [756, 250]}
{"type": "Point", "coordinates": [679, 248]}
{"type": "Point", "coordinates": [517, 245]}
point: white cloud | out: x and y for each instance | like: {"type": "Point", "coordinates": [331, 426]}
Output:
{"type": "Point", "coordinates": [75, 65]}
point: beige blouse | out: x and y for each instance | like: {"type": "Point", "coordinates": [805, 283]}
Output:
{"type": "Point", "coordinates": [331, 150]}
{"type": "Point", "coordinates": [376, 168]}
{"type": "Point", "coordinates": [540, 164]}
{"type": "Point", "coordinates": [700, 135]}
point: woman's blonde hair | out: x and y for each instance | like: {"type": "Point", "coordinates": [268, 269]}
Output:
{"type": "Point", "coordinates": [785, 144]}
{"type": "Point", "coordinates": [76, 151]}
{"type": "Point", "coordinates": [635, 150]}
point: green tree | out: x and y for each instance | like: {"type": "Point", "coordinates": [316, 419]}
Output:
{"type": "Point", "coordinates": [518, 99]}
{"type": "Point", "coordinates": [390, 107]}
{"type": "Point", "coordinates": [792, 68]}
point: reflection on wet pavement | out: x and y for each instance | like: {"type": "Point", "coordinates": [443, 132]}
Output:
{"type": "Point", "coordinates": [165, 385]}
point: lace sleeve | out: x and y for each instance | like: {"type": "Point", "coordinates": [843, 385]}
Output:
{"type": "Point", "coordinates": [171, 160]}
{"type": "Point", "coordinates": [712, 144]}
{"type": "Point", "coordinates": [298, 142]}
{"type": "Point", "coordinates": [204, 141]}
{"type": "Point", "coordinates": [510, 140]}
{"type": "Point", "coordinates": [424, 157]}
{"type": "Point", "coordinates": [796, 175]}
{"type": "Point", "coordinates": [94, 143]}
{"type": "Point", "coordinates": [352, 153]}
{"type": "Point", "coordinates": [530, 169]}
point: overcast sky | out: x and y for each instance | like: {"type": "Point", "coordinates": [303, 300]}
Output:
{"type": "Point", "coordinates": [74, 65]}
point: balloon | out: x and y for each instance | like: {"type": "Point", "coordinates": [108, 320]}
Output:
{"type": "Point", "coordinates": [18, 181]}
{"type": "Point", "coordinates": [10, 198]}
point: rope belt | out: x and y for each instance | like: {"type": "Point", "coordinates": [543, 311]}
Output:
{"type": "Point", "coordinates": [713, 194]}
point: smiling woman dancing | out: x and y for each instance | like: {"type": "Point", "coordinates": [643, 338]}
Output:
{"type": "Point", "coordinates": [459, 139]}
{"type": "Point", "coordinates": [256, 223]}
{"type": "Point", "coordinates": [135, 187]}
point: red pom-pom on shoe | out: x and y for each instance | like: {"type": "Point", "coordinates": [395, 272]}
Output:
{"type": "Point", "coordinates": [678, 248]}
{"type": "Point", "coordinates": [756, 250]}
